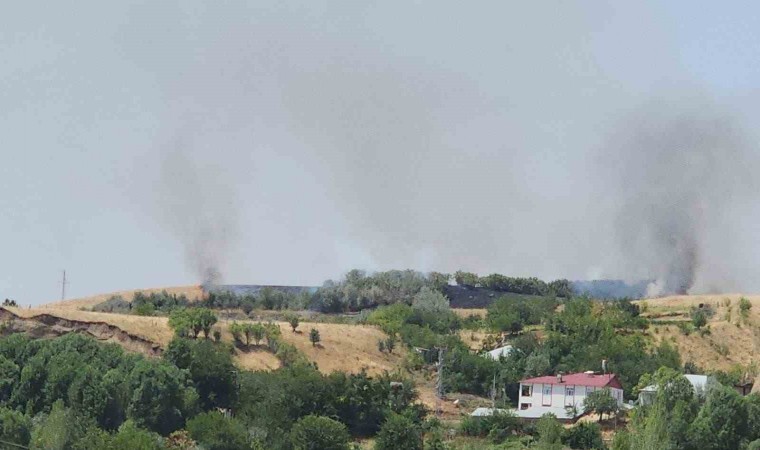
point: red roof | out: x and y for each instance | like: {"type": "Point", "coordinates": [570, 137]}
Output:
{"type": "Point", "coordinates": [579, 379]}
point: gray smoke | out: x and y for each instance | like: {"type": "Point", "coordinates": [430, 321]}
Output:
{"type": "Point", "coordinates": [676, 170]}
{"type": "Point", "coordinates": [197, 204]}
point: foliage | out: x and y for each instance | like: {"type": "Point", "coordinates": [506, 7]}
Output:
{"type": "Point", "coordinates": [721, 422]}
{"type": "Point", "coordinates": [215, 432]}
{"type": "Point", "coordinates": [130, 437]}
{"type": "Point", "coordinates": [600, 401]}
{"type": "Point", "coordinates": [744, 306]}
{"type": "Point", "coordinates": [191, 321]}
{"type": "Point", "coordinates": [314, 337]}
{"type": "Point", "coordinates": [512, 315]}
{"type": "Point", "coordinates": [698, 318]}
{"type": "Point", "coordinates": [210, 367]}
{"type": "Point", "coordinates": [399, 432]}
{"type": "Point", "coordinates": [503, 422]}
{"type": "Point", "coordinates": [15, 427]}
{"type": "Point", "coordinates": [430, 301]}
{"type": "Point", "coordinates": [584, 435]}
{"type": "Point", "coordinates": [549, 432]}
{"type": "Point", "coordinates": [319, 433]}
{"type": "Point", "coordinates": [294, 321]}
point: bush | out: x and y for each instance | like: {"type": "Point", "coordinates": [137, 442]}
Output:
{"type": "Point", "coordinates": [215, 432]}
{"type": "Point", "coordinates": [584, 435]}
{"type": "Point", "coordinates": [744, 306]}
{"type": "Point", "coordinates": [314, 337]}
{"type": "Point", "coordinates": [399, 432]}
{"type": "Point", "coordinates": [319, 433]}
{"type": "Point", "coordinates": [497, 426]}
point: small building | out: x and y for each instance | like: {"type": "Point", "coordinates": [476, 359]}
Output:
{"type": "Point", "coordinates": [700, 383]}
{"type": "Point", "coordinates": [497, 353]}
{"type": "Point", "coordinates": [563, 395]}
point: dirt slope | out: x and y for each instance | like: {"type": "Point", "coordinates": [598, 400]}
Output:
{"type": "Point", "coordinates": [733, 338]}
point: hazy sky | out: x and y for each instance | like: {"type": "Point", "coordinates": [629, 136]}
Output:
{"type": "Point", "coordinates": [145, 144]}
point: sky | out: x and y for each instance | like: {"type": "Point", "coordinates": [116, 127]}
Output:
{"type": "Point", "coordinates": [278, 142]}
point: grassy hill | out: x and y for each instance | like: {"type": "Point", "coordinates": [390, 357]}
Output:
{"type": "Point", "coordinates": [732, 338]}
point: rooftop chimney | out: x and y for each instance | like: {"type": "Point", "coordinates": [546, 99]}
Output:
{"type": "Point", "coordinates": [559, 378]}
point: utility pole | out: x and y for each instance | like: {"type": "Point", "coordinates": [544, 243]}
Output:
{"type": "Point", "coordinates": [63, 286]}
{"type": "Point", "coordinates": [439, 383]}
{"type": "Point", "coordinates": [493, 392]}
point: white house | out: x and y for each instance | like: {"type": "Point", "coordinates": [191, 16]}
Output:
{"type": "Point", "coordinates": [563, 395]}
{"type": "Point", "coordinates": [700, 383]}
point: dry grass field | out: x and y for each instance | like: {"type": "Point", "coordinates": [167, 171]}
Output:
{"type": "Point", "coordinates": [732, 339]}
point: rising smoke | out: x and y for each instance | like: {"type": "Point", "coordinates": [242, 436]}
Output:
{"type": "Point", "coordinates": [198, 205]}
{"type": "Point", "coordinates": [675, 173]}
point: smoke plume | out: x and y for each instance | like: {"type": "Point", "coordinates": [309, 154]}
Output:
{"type": "Point", "coordinates": [675, 173]}
{"type": "Point", "coordinates": [198, 206]}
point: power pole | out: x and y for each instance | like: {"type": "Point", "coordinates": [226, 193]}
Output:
{"type": "Point", "coordinates": [493, 392]}
{"type": "Point", "coordinates": [439, 383]}
{"type": "Point", "coordinates": [63, 286]}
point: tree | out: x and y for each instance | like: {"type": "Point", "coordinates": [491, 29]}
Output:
{"type": "Point", "coordinates": [14, 427]}
{"type": "Point", "coordinates": [314, 337]}
{"type": "Point", "coordinates": [600, 401]}
{"type": "Point", "coordinates": [467, 279]}
{"type": "Point", "coordinates": [721, 422]}
{"type": "Point", "coordinates": [744, 306]}
{"type": "Point", "coordinates": [294, 321]}
{"type": "Point", "coordinates": [584, 435]}
{"type": "Point", "coordinates": [319, 433]}
{"type": "Point", "coordinates": [59, 430]}
{"type": "Point", "coordinates": [130, 437]}
{"type": "Point", "coordinates": [215, 432]}
{"type": "Point", "coordinates": [156, 396]}
{"type": "Point", "coordinates": [179, 321]}
{"type": "Point", "coordinates": [390, 344]}
{"type": "Point", "coordinates": [698, 318]}
{"type": "Point", "coordinates": [537, 364]}
{"type": "Point", "coordinates": [256, 331]}
{"type": "Point", "coordinates": [430, 301]}
{"type": "Point", "coordinates": [549, 432]}
{"type": "Point", "coordinates": [399, 432]}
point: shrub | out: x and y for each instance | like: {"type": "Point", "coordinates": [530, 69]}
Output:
{"type": "Point", "coordinates": [215, 432]}
{"type": "Point", "coordinates": [319, 433]}
{"type": "Point", "coordinates": [584, 436]}
{"type": "Point", "coordinates": [399, 432]}
{"type": "Point", "coordinates": [744, 306]}
{"type": "Point", "coordinates": [314, 337]}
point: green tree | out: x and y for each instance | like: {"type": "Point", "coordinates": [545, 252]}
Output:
{"type": "Point", "coordinates": [698, 318]}
{"type": "Point", "coordinates": [430, 301]}
{"type": "Point", "coordinates": [584, 435]}
{"type": "Point", "coordinates": [390, 344]}
{"type": "Point", "coordinates": [744, 306]}
{"type": "Point", "coordinates": [130, 437]}
{"type": "Point", "coordinates": [257, 332]}
{"type": "Point", "coordinates": [294, 321]}
{"type": "Point", "coordinates": [15, 427]}
{"type": "Point", "coordinates": [549, 432]}
{"type": "Point", "coordinates": [179, 321]}
{"type": "Point", "coordinates": [157, 396]}
{"type": "Point", "coordinates": [600, 401]}
{"type": "Point", "coordinates": [399, 432]}
{"type": "Point", "coordinates": [9, 375]}
{"type": "Point", "coordinates": [721, 422]}
{"type": "Point", "coordinates": [466, 279]}
{"type": "Point", "coordinates": [215, 432]}
{"type": "Point", "coordinates": [319, 433]}
{"type": "Point", "coordinates": [59, 430]}
{"type": "Point", "coordinates": [314, 337]}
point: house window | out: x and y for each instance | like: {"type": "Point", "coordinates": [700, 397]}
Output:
{"type": "Point", "coordinates": [546, 399]}
{"type": "Point", "coordinates": [569, 395]}
{"type": "Point", "coordinates": [524, 406]}
{"type": "Point", "coordinates": [527, 390]}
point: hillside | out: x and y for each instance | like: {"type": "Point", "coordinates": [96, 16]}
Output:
{"type": "Point", "coordinates": [732, 339]}
{"type": "Point", "coordinates": [191, 292]}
